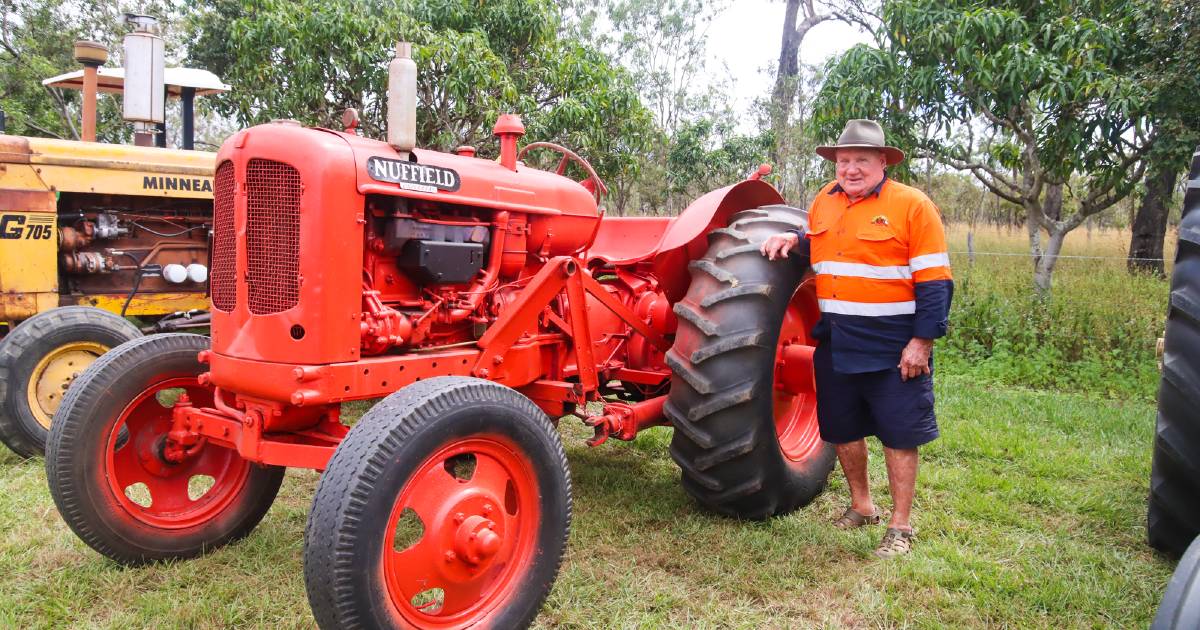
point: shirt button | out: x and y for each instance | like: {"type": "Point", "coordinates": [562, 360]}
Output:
{"type": "Point", "coordinates": [839, 253]}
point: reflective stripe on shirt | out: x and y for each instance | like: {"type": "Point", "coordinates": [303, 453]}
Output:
{"type": "Point", "coordinates": [861, 270]}
{"type": "Point", "coordinates": [868, 309]}
{"type": "Point", "coordinates": [928, 261]}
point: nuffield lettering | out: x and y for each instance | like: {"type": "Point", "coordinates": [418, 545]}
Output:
{"type": "Point", "coordinates": [402, 172]}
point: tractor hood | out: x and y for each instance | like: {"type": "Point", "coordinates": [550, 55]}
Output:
{"type": "Point", "coordinates": [470, 181]}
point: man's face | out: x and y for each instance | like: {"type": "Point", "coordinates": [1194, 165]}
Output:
{"type": "Point", "coordinates": [859, 170]}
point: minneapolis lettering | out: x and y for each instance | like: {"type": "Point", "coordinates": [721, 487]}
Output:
{"type": "Point", "coordinates": [401, 172]}
{"type": "Point", "coordinates": [192, 184]}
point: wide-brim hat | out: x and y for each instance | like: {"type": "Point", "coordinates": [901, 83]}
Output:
{"type": "Point", "coordinates": [862, 134]}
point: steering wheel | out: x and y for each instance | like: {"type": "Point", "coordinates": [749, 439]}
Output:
{"type": "Point", "coordinates": [568, 156]}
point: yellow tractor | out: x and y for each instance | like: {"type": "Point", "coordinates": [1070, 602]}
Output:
{"type": "Point", "coordinates": [93, 233]}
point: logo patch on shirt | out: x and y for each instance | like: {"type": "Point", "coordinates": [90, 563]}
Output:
{"type": "Point", "coordinates": [879, 220]}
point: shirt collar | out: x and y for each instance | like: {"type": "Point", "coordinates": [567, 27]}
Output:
{"type": "Point", "coordinates": [837, 188]}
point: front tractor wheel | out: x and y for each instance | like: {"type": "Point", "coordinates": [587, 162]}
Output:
{"type": "Point", "coordinates": [38, 361]}
{"type": "Point", "coordinates": [743, 399]}
{"type": "Point", "coordinates": [446, 506]}
{"type": "Point", "coordinates": [109, 476]}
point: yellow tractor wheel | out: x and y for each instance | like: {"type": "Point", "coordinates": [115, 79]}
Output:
{"type": "Point", "coordinates": [40, 359]}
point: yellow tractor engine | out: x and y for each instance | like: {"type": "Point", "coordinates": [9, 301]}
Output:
{"type": "Point", "coordinates": [93, 233]}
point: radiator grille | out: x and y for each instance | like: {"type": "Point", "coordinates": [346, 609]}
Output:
{"type": "Point", "coordinates": [223, 277]}
{"type": "Point", "coordinates": [272, 236]}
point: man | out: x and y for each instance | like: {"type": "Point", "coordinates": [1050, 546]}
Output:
{"type": "Point", "coordinates": [884, 288]}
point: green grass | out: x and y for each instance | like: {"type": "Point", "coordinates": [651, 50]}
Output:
{"type": "Point", "coordinates": [1096, 332]}
{"type": "Point", "coordinates": [1030, 510]}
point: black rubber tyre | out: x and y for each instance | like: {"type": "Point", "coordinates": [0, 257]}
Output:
{"type": "Point", "coordinates": [1180, 606]}
{"type": "Point", "coordinates": [723, 359]}
{"type": "Point", "coordinates": [91, 331]}
{"type": "Point", "coordinates": [1173, 518]}
{"type": "Point", "coordinates": [87, 426]}
{"type": "Point", "coordinates": [390, 456]}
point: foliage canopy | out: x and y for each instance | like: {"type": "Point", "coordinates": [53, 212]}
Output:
{"type": "Point", "coordinates": [309, 60]}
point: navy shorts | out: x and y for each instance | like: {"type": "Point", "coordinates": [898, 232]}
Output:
{"type": "Point", "coordinates": [852, 406]}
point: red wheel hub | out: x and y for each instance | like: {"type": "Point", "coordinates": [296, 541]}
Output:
{"type": "Point", "coordinates": [795, 394]}
{"type": "Point", "coordinates": [479, 532]}
{"type": "Point", "coordinates": [152, 489]}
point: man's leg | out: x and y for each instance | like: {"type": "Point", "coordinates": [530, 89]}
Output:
{"type": "Point", "coordinates": [853, 457]}
{"type": "Point", "coordinates": [902, 479]}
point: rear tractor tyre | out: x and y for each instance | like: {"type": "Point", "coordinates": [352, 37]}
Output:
{"type": "Point", "coordinates": [1173, 518]}
{"type": "Point", "coordinates": [448, 505]}
{"type": "Point", "coordinates": [107, 474]}
{"type": "Point", "coordinates": [38, 361]}
{"type": "Point", "coordinates": [742, 399]}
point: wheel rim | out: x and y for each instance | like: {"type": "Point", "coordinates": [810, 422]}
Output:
{"type": "Point", "coordinates": [157, 492]}
{"type": "Point", "coordinates": [54, 373]}
{"type": "Point", "coordinates": [477, 536]}
{"type": "Point", "coordinates": [794, 394]}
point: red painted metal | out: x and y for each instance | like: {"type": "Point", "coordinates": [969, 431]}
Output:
{"type": "Point", "coordinates": [320, 310]}
{"type": "Point", "coordinates": [624, 421]}
{"type": "Point", "coordinates": [794, 394]}
{"type": "Point", "coordinates": [222, 283]}
{"type": "Point", "coordinates": [139, 452]}
{"type": "Point", "coordinates": [479, 533]}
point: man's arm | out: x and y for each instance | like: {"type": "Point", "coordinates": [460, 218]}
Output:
{"type": "Point", "coordinates": [933, 285]}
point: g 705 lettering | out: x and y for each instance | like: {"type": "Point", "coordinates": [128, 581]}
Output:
{"type": "Point", "coordinates": [28, 227]}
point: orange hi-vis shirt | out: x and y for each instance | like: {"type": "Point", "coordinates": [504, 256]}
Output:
{"type": "Point", "coordinates": [882, 273]}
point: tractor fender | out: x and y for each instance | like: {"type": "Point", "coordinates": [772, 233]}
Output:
{"type": "Point", "coordinates": [685, 237]}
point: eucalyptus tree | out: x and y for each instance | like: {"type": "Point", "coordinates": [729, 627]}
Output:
{"type": "Point", "coordinates": [789, 102]}
{"type": "Point", "coordinates": [1038, 100]}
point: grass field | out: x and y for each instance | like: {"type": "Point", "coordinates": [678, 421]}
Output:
{"type": "Point", "coordinates": [1030, 509]}
{"type": "Point", "coordinates": [1030, 512]}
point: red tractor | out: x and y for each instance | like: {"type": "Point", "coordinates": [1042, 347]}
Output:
{"type": "Point", "coordinates": [483, 301]}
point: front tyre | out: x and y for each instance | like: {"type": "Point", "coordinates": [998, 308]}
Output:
{"type": "Point", "coordinates": [448, 505]}
{"type": "Point", "coordinates": [107, 474]}
{"type": "Point", "coordinates": [743, 399]}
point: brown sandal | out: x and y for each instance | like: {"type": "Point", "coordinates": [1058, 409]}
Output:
{"type": "Point", "coordinates": [852, 520]}
{"type": "Point", "coordinates": [896, 542]}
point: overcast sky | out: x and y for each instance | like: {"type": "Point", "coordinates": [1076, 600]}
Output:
{"type": "Point", "coordinates": [747, 35]}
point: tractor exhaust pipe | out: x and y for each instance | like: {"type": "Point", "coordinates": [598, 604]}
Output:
{"type": "Point", "coordinates": [145, 88]}
{"type": "Point", "coordinates": [91, 55]}
{"type": "Point", "coordinates": [402, 101]}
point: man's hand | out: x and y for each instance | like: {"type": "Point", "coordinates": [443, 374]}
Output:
{"type": "Point", "coordinates": [914, 361]}
{"type": "Point", "coordinates": [778, 245]}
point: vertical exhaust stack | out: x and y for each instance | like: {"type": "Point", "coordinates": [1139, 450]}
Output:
{"type": "Point", "coordinates": [145, 91]}
{"type": "Point", "coordinates": [91, 55]}
{"type": "Point", "coordinates": [402, 101]}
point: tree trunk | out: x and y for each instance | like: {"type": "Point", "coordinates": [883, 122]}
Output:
{"type": "Point", "coordinates": [1045, 214]}
{"type": "Point", "coordinates": [1043, 273]}
{"type": "Point", "coordinates": [787, 78]}
{"type": "Point", "coordinates": [1052, 202]}
{"type": "Point", "coordinates": [1150, 223]}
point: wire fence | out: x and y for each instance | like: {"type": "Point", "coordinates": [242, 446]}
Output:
{"type": "Point", "coordinates": [1061, 256]}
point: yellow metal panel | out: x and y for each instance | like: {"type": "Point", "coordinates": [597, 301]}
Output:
{"type": "Point", "coordinates": [28, 251]}
{"type": "Point", "coordinates": [17, 307]}
{"type": "Point", "coordinates": [20, 177]}
{"type": "Point", "coordinates": [119, 156]}
{"type": "Point", "coordinates": [91, 167]}
{"type": "Point", "coordinates": [148, 304]}
{"type": "Point", "coordinates": [117, 182]}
